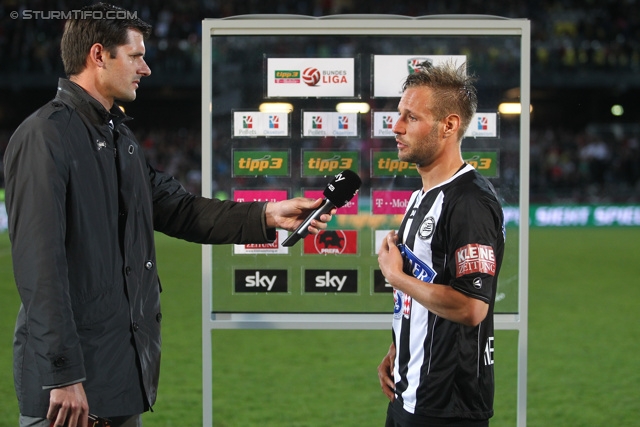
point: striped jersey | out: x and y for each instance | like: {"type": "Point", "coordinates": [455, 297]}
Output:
{"type": "Point", "coordinates": [451, 235]}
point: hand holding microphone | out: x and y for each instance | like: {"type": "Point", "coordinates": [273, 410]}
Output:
{"type": "Point", "coordinates": [339, 191]}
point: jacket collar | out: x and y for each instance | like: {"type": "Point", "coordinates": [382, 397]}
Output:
{"type": "Point", "coordinates": [74, 95]}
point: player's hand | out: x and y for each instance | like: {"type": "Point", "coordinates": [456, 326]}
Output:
{"type": "Point", "coordinates": [289, 214]}
{"type": "Point", "coordinates": [68, 406]}
{"type": "Point", "coordinates": [389, 257]}
{"type": "Point", "coordinates": [385, 373]}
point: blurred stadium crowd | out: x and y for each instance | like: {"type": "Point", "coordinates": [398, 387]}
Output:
{"type": "Point", "coordinates": [595, 40]}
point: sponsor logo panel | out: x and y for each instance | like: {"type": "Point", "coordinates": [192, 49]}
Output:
{"type": "Point", "coordinates": [483, 125]}
{"type": "Point", "coordinates": [390, 202]}
{"type": "Point", "coordinates": [260, 281]}
{"type": "Point", "coordinates": [323, 124]}
{"type": "Point", "coordinates": [485, 162]}
{"type": "Point", "coordinates": [259, 195]}
{"type": "Point", "coordinates": [383, 122]}
{"type": "Point", "coordinates": [254, 124]}
{"type": "Point", "coordinates": [332, 242]}
{"type": "Point", "coordinates": [387, 164]}
{"type": "Point", "coordinates": [260, 163]}
{"type": "Point", "coordinates": [310, 77]}
{"type": "Point", "coordinates": [389, 71]}
{"type": "Point", "coordinates": [330, 281]}
{"type": "Point", "coordinates": [322, 163]}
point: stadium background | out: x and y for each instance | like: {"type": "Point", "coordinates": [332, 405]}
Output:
{"type": "Point", "coordinates": [584, 335]}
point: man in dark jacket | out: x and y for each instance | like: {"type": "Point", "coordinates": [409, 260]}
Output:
{"type": "Point", "coordinates": [83, 204]}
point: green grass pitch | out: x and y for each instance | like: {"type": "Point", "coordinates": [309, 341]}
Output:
{"type": "Point", "coordinates": [584, 342]}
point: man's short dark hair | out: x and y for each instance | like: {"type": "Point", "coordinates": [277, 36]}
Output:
{"type": "Point", "coordinates": [110, 31]}
{"type": "Point", "coordinates": [453, 90]}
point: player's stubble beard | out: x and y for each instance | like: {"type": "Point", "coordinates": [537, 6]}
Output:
{"type": "Point", "coordinates": [423, 152]}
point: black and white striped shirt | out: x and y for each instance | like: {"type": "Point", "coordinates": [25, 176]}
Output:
{"type": "Point", "coordinates": [451, 235]}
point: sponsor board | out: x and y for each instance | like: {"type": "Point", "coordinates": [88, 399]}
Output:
{"type": "Point", "coordinates": [389, 202]}
{"type": "Point", "coordinates": [274, 248]}
{"type": "Point", "coordinates": [483, 125]}
{"type": "Point", "coordinates": [259, 195]}
{"type": "Point", "coordinates": [485, 162]}
{"type": "Point", "coordinates": [321, 124]}
{"type": "Point", "coordinates": [387, 164]}
{"type": "Point", "coordinates": [383, 122]}
{"type": "Point", "coordinates": [331, 281]}
{"type": "Point", "coordinates": [390, 71]}
{"type": "Point", "coordinates": [260, 163]}
{"type": "Point", "coordinates": [311, 77]}
{"type": "Point", "coordinates": [323, 163]}
{"type": "Point", "coordinates": [260, 281]}
{"type": "Point", "coordinates": [335, 242]}
{"type": "Point", "coordinates": [254, 124]}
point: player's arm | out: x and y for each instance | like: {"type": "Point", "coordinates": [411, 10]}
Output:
{"type": "Point", "coordinates": [444, 301]}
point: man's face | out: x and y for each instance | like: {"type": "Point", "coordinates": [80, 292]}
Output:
{"type": "Point", "coordinates": [416, 130]}
{"type": "Point", "coordinates": [122, 73]}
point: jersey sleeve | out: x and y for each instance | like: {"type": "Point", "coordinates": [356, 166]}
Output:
{"type": "Point", "coordinates": [476, 244]}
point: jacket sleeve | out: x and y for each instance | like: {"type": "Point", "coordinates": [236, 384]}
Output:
{"type": "Point", "coordinates": [181, 214]}
{"type": "Point", "coordinates": [35, 176]}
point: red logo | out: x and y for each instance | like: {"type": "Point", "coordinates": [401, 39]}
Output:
{"type": "Point", "coordinates": [332, 242]}
{"type": "Point", "coordinates": [475, 258]}
{"type": "Point", "coordinates": [311, 76]}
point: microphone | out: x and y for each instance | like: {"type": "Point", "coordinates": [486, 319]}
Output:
{"type": "Point", "coordinates": [339, 191]}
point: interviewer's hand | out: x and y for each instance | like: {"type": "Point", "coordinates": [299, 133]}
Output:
{"type": "Point", "coordinates": [289, 214]}
{"type": "Point", "coordinates": [385, 373]}
{"type": "Point", "coordinates": [68, 406]}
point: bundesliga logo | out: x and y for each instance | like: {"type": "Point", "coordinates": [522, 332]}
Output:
{"type": "Point", "coordinates": [311, 76]}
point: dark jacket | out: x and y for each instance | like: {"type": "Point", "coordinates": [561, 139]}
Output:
{"type": "Point", "coordinates": [83, 204]}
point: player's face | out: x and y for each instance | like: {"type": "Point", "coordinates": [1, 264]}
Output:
{"type": "Point", "coordinates": [122, 73]}
{"type": "Point", "coordinates": [416, 130]}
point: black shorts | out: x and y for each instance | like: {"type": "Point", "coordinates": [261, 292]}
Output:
{"type": "Point", "coordinates": [405, 419]}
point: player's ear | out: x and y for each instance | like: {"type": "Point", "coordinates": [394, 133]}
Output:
{"type": "Point", "coordinates": [451, 124]}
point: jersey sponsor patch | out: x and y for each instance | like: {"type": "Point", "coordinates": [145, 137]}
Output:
{"type": "Point", "coordinates": [415, 266]}
{"type": "Point", "coordinates": [397, 304]}
{"type": "Point", "coordinates": [475, 258]}
{"type": "Point", "coordinates": [401, 305]}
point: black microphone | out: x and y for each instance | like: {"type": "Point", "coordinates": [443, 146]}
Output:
{"type": "Point", "coordinates": [339, 191]}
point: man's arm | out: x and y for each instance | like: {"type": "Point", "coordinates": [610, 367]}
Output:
{"type": "Point", "coordinates": [444, 301]}
{"type": "Point", "coordinates": [36, 205]}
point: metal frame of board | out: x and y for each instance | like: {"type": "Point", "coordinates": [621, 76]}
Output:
{"type": "Point", "coordinates": [468, 25]}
